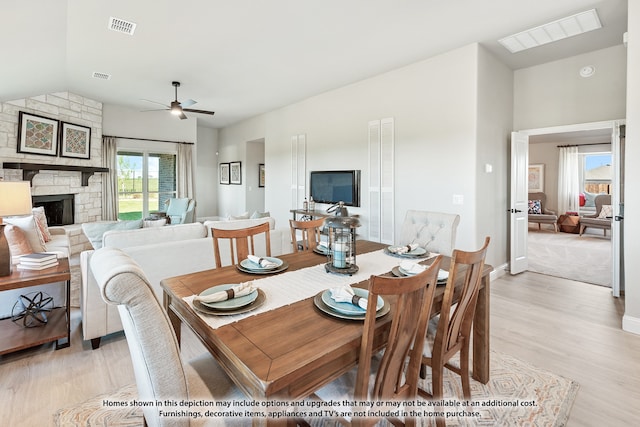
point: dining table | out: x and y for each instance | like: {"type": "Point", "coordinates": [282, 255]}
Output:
{"type": "Point", "coordinates": [288, 348]}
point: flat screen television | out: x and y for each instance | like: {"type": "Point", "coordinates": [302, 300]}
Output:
{"type": "Point", "coordinates": [336, 186]}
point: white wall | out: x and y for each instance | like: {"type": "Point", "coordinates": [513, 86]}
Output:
{"type": "Point", "coordinates": [434, 104]}
{"type": "Point", "coordinates": [554, 94]}
{"type": "Point", "coordinates": [631, 320]}
{"type": "Point", "coordinates": [254, 194]}
{"type": "Point", "coordinates": [206, 156]}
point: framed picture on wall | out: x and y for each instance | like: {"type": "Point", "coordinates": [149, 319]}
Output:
{"type": "Point", "coordinates": [224, 173]}
{"type": "Point", "coordinates": [75, 141]}
{"type": "Point", "coordinates": [37, 134]}
{"type": "Point", "coordinates": [536, 178]}
{"type": "Point", "coordinates": [236, 172]}
{"type": "Point", "coordinates": [261, 175]}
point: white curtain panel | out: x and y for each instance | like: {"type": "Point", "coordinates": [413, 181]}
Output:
{"type": "Point", "coordinates": [110, 179]}
{"type": "Point", "coordinates": [568, 180]}
{"type": "Point", "coordinates": [185, 181]}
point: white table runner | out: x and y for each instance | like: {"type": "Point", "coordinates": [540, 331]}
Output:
{"type": "Point", "coordinates": [290, 287]}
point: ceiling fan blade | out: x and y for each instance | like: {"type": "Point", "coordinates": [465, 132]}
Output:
{"type": "Point", "coordinates": [155, 102]}
{"type": "Point", "coordinates": [188, 103]}
{"type": "Point", "coordinates": [159, 109]}
{"type": "Point", "coordinates": [211, 113]}
{"type": "Point", "coordinates": [182, 116]}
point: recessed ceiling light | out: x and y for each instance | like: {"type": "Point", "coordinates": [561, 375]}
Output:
{"type": "Point", "coordinates": [587, 71]}
{"type": "Point", "coordinates": [553, 31]}
{"type": "Point", "coordinates": [122, 26]}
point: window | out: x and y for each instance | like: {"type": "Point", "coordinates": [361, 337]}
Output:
{"type": "Point", "coordinates": [145, 181]}
{"type": "Point", "coordinates": [596, 177]}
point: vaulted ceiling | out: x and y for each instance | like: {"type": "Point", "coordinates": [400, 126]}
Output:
{"type": "Point", "coordinates": [245, 57]}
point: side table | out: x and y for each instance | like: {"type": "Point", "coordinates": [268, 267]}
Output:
{"type": "Point", "coordinates": [569, 223]}
{"type": "Point", "coordinates": [15, 337]}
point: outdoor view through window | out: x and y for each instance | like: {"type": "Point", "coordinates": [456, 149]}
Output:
{"type": "Point", "coordinates": [145, 182]}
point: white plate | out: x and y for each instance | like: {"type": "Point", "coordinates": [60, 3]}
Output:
{"type": "Point", "coordinates": [346, 307]}
{"type": "Point", "coordinates": [443, 275]}
{"type": "Point", "coordinates": [416, 252]}
{"type": "Point", "coordinates": [230, 304]}
{"type": "Point", "coordinates": [250, 265]}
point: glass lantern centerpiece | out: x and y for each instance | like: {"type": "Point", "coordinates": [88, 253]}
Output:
{"type": "Point", "coordinates": [342, 244]}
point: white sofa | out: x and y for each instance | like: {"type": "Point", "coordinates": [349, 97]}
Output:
{"type": "Point", "coordinates": [161, 252]}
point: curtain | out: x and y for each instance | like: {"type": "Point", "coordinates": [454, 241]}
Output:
{"type": "Point", "coordinates": [110, 179]}
{"type": "Point", "coordinates": [185, 182]}
{"type": "Point", "coordinates": [568, 180]}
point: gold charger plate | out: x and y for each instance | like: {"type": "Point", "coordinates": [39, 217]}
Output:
{"type": "Point", "coordinates": [244, 309]}
{"type": "Point", "coordinates": [320, 305]}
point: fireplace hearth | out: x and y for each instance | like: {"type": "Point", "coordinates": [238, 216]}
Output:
{"type": "Point", "coordinates": [58, 208]}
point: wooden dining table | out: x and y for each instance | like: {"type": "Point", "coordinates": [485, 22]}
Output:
{"type": "Point", "coordinates": [293, 350]}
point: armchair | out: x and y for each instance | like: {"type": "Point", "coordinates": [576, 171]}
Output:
{"type": "Point", "coordinates": [180, 211]}
{"type": "Point", "coordinates": [602, 218]}
{"type": "Point", "coordinates": [542, 215]}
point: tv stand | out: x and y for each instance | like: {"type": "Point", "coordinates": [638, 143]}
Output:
{"type": "Point", "coordinates": [313, 214]}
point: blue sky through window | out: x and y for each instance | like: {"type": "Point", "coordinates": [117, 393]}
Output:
{"type": "Point", "coordinates": [593, 161]}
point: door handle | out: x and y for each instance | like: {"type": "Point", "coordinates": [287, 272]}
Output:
{"type": "Point", "coordinates": [618, 218]}
{"type": "Point", "coordinates": [514, 210]}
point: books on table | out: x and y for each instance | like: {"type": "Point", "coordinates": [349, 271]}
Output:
{"type": "Point", "coordinates": [38, 261]}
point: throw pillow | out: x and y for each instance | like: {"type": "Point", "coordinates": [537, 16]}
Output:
{"type": "Point", "coordinates": [28, 226]}
{"type": "Point", "coordinates": [257, 214]}
{"type": "Point", "coordinates": [95, 230]}
{"type": "Point", "coordinates": [18, 243]}
{"type": "Point", "coordinates": [590, 199]}
{"type": "Point", "coordinates": [41, 222]}
{"type": "Point", "coordinates": [241, 216]}
{"type": "Point", "coordinates": [605, 212]}
{"type": "Point", "coordinates": [535, 207]}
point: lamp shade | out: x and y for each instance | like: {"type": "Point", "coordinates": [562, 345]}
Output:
{"type": "Point", "coordinates": [15, 198]}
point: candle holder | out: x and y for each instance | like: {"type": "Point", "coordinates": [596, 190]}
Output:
{"type": "Point", "coordinates": [341, 255]}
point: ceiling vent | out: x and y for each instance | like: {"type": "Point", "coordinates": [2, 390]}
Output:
{"type": "Point", "coordinates": [101, 76]}
{"type": "Point", "coordinates": [553, 31]}
{"type": "Point", "coordinates": [122, 26]}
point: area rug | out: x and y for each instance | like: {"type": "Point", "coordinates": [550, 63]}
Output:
{"type": "Point", "coordinates": [513, 382]}
{"type": "Point", "coordinates": [583, 258]}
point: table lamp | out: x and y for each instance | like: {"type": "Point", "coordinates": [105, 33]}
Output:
{"type": "Point", "coordinates": [15, 199]}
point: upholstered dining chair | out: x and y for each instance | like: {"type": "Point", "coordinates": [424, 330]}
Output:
{"type": "Point", "coordinates": [434, 231]}
{"type": "Point", "coordinates": [160, 373]}
{"type": "Point", "coordinates": [453, 333]}
{"type": "Point", "coordinates": [602, 218]}
{"type": "Point", "coordinates": [310, 232]}
{"type": "Point", "coordinates": [396, 373]}
{"type": "Point", "coordinates": [241, 242]}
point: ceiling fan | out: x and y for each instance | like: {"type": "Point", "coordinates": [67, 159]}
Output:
{"type": "Point", "coordinates": [178, 108]}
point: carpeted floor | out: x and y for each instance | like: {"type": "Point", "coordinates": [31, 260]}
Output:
{"type": "Point", "coordinates": [512, 382]}
{"type": "Point", "coordinates": [585, 258]}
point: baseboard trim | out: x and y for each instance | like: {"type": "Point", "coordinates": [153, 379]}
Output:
{"type": "Point", "coordinates": [498, 271]}
{"type": "Point", "coordinates": [631, 324]}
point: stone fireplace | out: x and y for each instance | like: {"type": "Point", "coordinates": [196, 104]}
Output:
{"type": "Point", "coordinates": [58, 208]}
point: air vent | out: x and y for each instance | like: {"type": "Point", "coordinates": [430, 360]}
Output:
{"type": "Point", "coordinates": [121, 26]}
{"type": "Point", "coordinates": [101, 76]}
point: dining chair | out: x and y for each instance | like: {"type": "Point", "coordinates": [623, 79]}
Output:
{"type": "Point", "coordinates": [241, 242]}
{"type": "Point", "coordinates": [310, 234]}
{"type": "Point", "coordinates": [453, 332]}
{"type": "Point", "coordinates": [434, 231]}
{"type": "Point", "coordinates": [396, 372]}
{"type": "Point", "coordinates": [159, 370]}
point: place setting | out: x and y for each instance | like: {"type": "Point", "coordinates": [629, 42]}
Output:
{"type": "Point", "coordinates": [412, 250]}
{"type": "Point", "coordinates": [322, 248]}
{"type": "Point", "coordinates": [229, 299]}
{"type": "Point", "coordinates": [411, 268]}
{"type": "Point", "coordinates": [262, 265]}
{"type": "Point", "coordinates": [346, 302]}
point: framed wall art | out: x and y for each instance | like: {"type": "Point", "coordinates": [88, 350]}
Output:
{"type": "Point", "coordinates": [261, 175]}
{"type": "Point", "coordinates": [536, 178]}
{"type": "Point", "coordinates": [236, 172]}
{"type": "Point", "coordinates": [224, 173]}
{"type": "Point", "coordinates": [75, 141]}
{"type": "Point", "coordinates": [37, 134]}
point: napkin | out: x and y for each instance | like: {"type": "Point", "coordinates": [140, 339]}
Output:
{"type": "Point", "coordinates": [346, 294]}
{"type": "Point", "coordinates": [235, 291]}
{"type": "Point", "coordinates": [403, 249]}
{"type": "Point", "coordinates": [412, 267]}
{"type": "Point", "coordinates": [262, 262]}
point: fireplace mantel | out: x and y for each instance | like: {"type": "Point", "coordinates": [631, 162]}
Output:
{"type": "Point", "coordinates": [29, 170]}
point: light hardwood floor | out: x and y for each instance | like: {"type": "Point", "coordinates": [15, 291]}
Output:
{"type": "Point", "coordinates": [566, 327]}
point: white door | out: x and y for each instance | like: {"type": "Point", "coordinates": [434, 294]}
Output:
{"type": "Point", "coordinates": [519, 202]}
{"type": "Point", "coordinates": [617, 203]}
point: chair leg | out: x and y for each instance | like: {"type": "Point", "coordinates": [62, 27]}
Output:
{"type": "Point", "coordinates": [464, 372]}
{"type": "Point", "coordinates": [582, 227]}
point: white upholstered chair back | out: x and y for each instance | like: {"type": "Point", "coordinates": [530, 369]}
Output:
{"type": "Point", "coordinates": [153, 346]}
{"type": "Point", "coordinates": [434, 231]}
